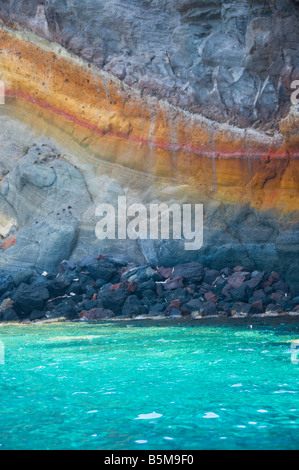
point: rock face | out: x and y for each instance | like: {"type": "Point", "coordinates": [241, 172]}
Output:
{"type": "Point", "coordinates": [229, 60]}
{"type": "Point", "coordinates": [34, 205]}
{"type": "Point", "coordinates": [73, 136]}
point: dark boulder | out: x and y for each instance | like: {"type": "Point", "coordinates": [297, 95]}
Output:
{"type": "Point", "coordinates": [146, 285]}
{"type": "Point", "coordinates": [240, 309]}
{"type": "Point", "coordinates": [257, 295]}
{"type": "Point", "coordinates": [210, 297]}
{"type": "Point", "coordinates": [256, 308]}
{"type": "Point", "coordinates": [9, 315]}
{"type": "Point", "coordinates": [66, 309]}
{"type": "Point", "coordinates": [276, 297]}
{"type": "Point", "coordinates": [204, 288]}
{"type": "Point", "coordinates": [37, 315]}
{"type": "Point", "coordinates": [181, 293]}
{"type": "Point", "coordinates": [280, 286]}
{"type": "Point", "coordinates": [219, 284]}
{"type": "Point", "coordinates": [173, 312]}
{"type": "Point", "coordinates": [237, 279]}
{"type": "Point", "coordinates": [149, 297]}
{"type": "Point", "coordinates": [96, 314]}
{"type": "Point", "coordinates": [102, 269]}
{"type": "Point", "coordinates": [211, 275]}
{"type": "Point", "coordinates": [241, 293]}
{"type": "Point", "coordinates": [194, 305]}
{"type": "Point", "coordinates": [114, 300]}
{"type": "Point", "coordinates": [274, 309]}
{"type": "Point", "coordinates": [54, 286]}
{"type": "Point", "coordinates": [133, 307]}
{"type": "Point", "coordinates": [141, 274]}
{"type": "Point", "coordinates": [6, 284]}
{"type": "Point", "coordinates": [256, 280]}
{"type": "Point", "coordinates": [190, 272]}
{"type": "Point", "coordinates": [29, 297]}
{"type": "Point", "coordinates": [157, 309]}
{"type": "Point", "coordinates": [172, 283]}
{"type": "Point", "coordinates": [165, 272]}
{"type": "Point", "coordinates": [208, 309]}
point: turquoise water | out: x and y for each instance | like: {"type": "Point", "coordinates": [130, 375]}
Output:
{"type": "Point", "coordinates": [102, 386]}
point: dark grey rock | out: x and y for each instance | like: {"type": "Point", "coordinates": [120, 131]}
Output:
{"type": "Point", "coordinates": [227, 59]}
{"type": "Point", "coordinates": [29, 297]}
{"type": "Point", "coordinates": [9, 315]}
{"type": "Point", "coordinates": [174, 313]}
{"type": "Point", "coordinates": [37, 315]}
{"type": "Point", "coordinates": [96, 314]}
{"type": "Point", "coordinates": [6, 284]}
{"type": "Point", "coordinates": [194, 305]}
{"type": "Point", "coordinates": [240, 309]}
{"type": "Point", "coordinates": [256, 308]}
{"type": "Point", "coordinates": [190, 272]}
{"type": "Point", "coordinates": [211, 275]}
{"type": "Point", "coordinates": [114, 300]}
{"type": "Point", "coordinates": [133, 307]}
{"type": "Point", "coordinates": [208, 309]}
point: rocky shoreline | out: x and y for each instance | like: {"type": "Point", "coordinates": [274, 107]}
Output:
{"type": "Point", "coordinates": [102, 288]}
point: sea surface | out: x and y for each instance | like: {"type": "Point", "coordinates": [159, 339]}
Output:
{"type": "Point", "coordinates": [124, 387]}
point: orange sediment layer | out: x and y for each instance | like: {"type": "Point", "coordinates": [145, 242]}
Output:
{"type": "Point", "coordinates": [119, 125]}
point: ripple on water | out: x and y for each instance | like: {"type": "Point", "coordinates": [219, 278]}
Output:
{"type": "Point", "coordinates": [87, 386]}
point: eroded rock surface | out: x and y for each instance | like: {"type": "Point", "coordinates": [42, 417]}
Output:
{"type": "Point", "coordinates": [42, 200]}
{"type": "Point", "coordinates": [230, 60]}
{"type": "Point", "coordinates": [227, 60]}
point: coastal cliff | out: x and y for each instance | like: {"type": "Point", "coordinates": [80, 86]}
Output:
{"type": "Point", "coordinates": [202, 116]}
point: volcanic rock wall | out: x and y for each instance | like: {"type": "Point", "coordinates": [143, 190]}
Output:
{"type": "Point", "coordinates": [229, 60]}
{"type": "Point", "coordinates": [109, 139]}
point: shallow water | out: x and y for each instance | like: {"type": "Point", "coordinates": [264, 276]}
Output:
{"type": "Point", "coordinates": [103, 386]}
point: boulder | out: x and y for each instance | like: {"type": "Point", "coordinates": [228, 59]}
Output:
{"type": "Point", "coordinates": [114, 300]}
{"type": "Point", "coordinates": [211, 275]}
{"type": "Point", "coordinates": [194, 305]}
{"type": "Point", "coordinates": [256, 308]}
{"type": "Point", "coordinates": [172, 283]}
{"type": "Point", "coordinates": [37, 315]}
{"type": "Point", "coordinates": [173, 312]}
{"type": "Point", "coordinates": [29, 297]}
{"type": "Point", "coordinates": [208, 309]}
{"type": "Point", "coordinates": [274, 309]}
{"type": "Point", "coordinates": [9, 315]}
{"type": "Point", "coordinates": [165, 272]}
{"type": "Point", "coordinates": [237, 279]}
{"type": "Point", "coordinates": [189, 272]}
{"type": "Point", "coordinates": [96, 314]}
{"type": "Point", "coordinates": [133, 307]}
{"type": "Point", "coordinates": [210, 296]}
{"type": "Point", "coordinates": [240, 309]}
{"type": "Point", "coordinates": [6, 284]}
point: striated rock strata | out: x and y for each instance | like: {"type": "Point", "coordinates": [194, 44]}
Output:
{"type": "Point", "coordinates": [226, 59]}
{"type": "Point", "coordinates": [73, 136]}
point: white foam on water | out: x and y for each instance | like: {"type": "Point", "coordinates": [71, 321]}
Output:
{"type": "Point", "coordinates": [153, 415]}
{"type": "Point", "coordinates": [210, 415]}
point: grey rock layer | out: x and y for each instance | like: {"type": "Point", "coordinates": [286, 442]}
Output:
{"type": "Point", "coordinates": [230, 60]}
{"type": "Point", "coordinates": [48, 204]}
